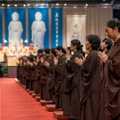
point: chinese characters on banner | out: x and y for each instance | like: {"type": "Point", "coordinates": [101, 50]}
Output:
{"type": "Point", "coordinates": [56, 27]}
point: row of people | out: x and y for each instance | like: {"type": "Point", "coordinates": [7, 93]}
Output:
{"type": "Point", "coordinates": [85, 88]}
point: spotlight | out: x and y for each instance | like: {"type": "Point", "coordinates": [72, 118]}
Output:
{"type": "Point", "coordinates": [8, 5]}
{"type": "Point", "coordinates": [24, 5]}
{"type": "Point", "coordinates": [15, 5]}
{"type": "Point", "coordinates": [47, 5]}
{"type": "Point", "coordinates": [3, 4]}
{"type": "Point", "coordinates": [37, 5]}
{"type": "Point", "coordinates": [86, 5]}
{"type": "Point", "coordinates": [57, 4]}
{"type": "Point", "coordinates": [28, 4]}
{"type": "Point", "coordinates": [65, 4]}
{"type": "Point", "coordinates": [75, 6]}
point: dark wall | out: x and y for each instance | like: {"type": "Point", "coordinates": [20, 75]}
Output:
{"type": "Point", "coordinates": [116, 13]}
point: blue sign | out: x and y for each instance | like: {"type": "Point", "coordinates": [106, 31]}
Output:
{"type": "Point", "coordinates": [38, 27]}
{"type": "Point", "coordinates": [15, 24]}
{"type": "Point", "coordinates": [57, 29]}
{"type": "Point", "coordinates": [0, 25]}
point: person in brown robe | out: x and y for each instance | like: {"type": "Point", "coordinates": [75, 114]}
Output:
{"type": "Point", "coordinates": [42, 77]}
{"type": "Point", "coordinates": [48, 64]}
{"type": "Point", "coordinates": [60, 71]}
{"type": "Point", "coordinates": [90, 82]}
{"type": "Point", "coordinates": [38, 67]}
{"type": "Point", "coordinates": [72, 83]}
{"type": "Point", "coordinates": [110, 96]}
{"type": "Point", "coordinates": [106, 45]}
{"type": "Point", "coordinates": [51, 85]}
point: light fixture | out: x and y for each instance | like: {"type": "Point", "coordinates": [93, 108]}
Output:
{"type": "Point", "coordinates": [8, 5]}
{"type": "Point", "coordinates": [37, 5]}
{"type": "Point", "coordinates": [24, 5]}
{"type": "Point", "coordinates": [28, 4]}
{"type": "Point", "coordinates": [86, 5]}
{"type": "Point", "coordinates": [47, 5]}
{"type": "Point", "coordinates": [75, 6]}
{"type": "Point", "coordinates": [3, 4]}
{"type": "Point", "coordinates": [15, 5]}
{"type": "Point", "coordinates": [57, 4]}
{"type": "Point", "coordinates": [65, 4]}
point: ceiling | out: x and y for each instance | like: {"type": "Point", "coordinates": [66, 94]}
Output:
{"type": "Point", "coordinates": [60, 1]}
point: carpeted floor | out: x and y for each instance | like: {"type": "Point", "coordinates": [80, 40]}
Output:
{"type": "Point", "coordinates": [17, 104]}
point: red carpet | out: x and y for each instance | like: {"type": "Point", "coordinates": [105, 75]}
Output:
{"type": "Point", "coordinates": [17, 104]}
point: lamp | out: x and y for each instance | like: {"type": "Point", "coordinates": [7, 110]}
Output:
{"type": "Point", "coordinates": [26, 41]}
{"type": "Point", "coordinates": [4, 41]}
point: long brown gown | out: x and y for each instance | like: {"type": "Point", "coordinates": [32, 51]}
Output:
{"type": "Point", "coordinates": [110, 97]}
{"type": "Point", "coordinates": [90, 86]}
{"type": "Point", "coordinates": [60, 71]}
{"type": "Point", "coordinates": [71, 94]}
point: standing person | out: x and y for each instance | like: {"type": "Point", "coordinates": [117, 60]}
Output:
{"type": "Point", "coordinates": [51, 87]}
{"type": "Point", "coordinates": [48, 64]}
{"type": "Point", "coordinates": [60, 71]}
{"type": "Point", "coordinates": [38, 31]}
{"type": "Point", "coordinates": [106, 45]}
{"type": "Point", "coordinates": [90, 80]}
{"type": "Point", "coordinates": [110, 97]}
{"type": "Point", "coordinates": [72, 83]}
{"type": "Point", "coordinates": [68, 53]}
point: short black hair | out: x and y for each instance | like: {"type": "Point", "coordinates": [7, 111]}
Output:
{"type": "Point", "coordinates": [108, 42]}
{"type": "Point", "coordinates": [61, 48]}
{"type": "Point", "coordinates": [53, 51]}
{"type": "Point", "coordinates": [31, 58]}
{"type": "Point", "coordinates": [112, 23]}
{"type": "Point", "coordinates": [40, 51]}
{"type": "Point", "coordinates": [47, 50]}
{"type": "Point", "coordinates": [94, 40]}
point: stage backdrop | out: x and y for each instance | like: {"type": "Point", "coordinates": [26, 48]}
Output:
{"type": "Point", "coordinates": [57, 29]}
{"type": "Point", "coordinates": [1, 26]}
{"type": "Point", "coordinates": [38, 27]}
{"type": "Point", "coordinates": [8, 18]}
{"type": "Point", "coordinates": [76, 28]}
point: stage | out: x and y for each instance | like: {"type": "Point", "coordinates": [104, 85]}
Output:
{"type": "Point", "coordinates": [11, 54]}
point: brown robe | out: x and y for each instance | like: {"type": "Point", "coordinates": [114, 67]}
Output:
{"type": "Point", "coordinates": [60, 71]}
{"type": "Point", "coordinates": [110, 97]}
{"type": "Point", "coordinates": [38, 67]}
{"type": "Point", "coordinates": [90, 85]}
{"type": "Point", "coordinates": [49, 75]}
{"type": "Point", "coordinates": [34, 74]}
{"type": "Point", "coordinates": [71, 94]}
{"type": "Point", "coordinates": [52, 82]}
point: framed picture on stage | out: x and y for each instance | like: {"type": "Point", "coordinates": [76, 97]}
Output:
{"type": "Point", "coordinates": [15, 25]}
{"type": "Point", "coordinates": [38, 27]}
{"type": "Point", "coordinates": [76, 28]}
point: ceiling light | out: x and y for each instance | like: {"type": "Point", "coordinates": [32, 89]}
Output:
{"type": "Point", "coordinates": [3, 4]}
{"type": "Point", "coordinates": [86, 5]}
{"type": "Point", "coordinates": [47, 5]}
{"type": "Point", "coordinates": [24, 5]}
{"type": "Point", "coordinates": [65, 4]}
{"type": "Point", "coordinates": [28, 4]}
{"type": "Point", "coordinates": [75, 6]}
{"type": "Point", "coordinates": [57, 4]}
{"type": "Point", "coordinates": [8, 5]}
{"type": "Point", "coordinates": [15, 5]}
{"type": "Point", "coordinates": [37, 5]}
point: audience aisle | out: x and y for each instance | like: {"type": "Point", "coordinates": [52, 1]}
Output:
{"type": "Point", "coordinates": [17, 104]}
